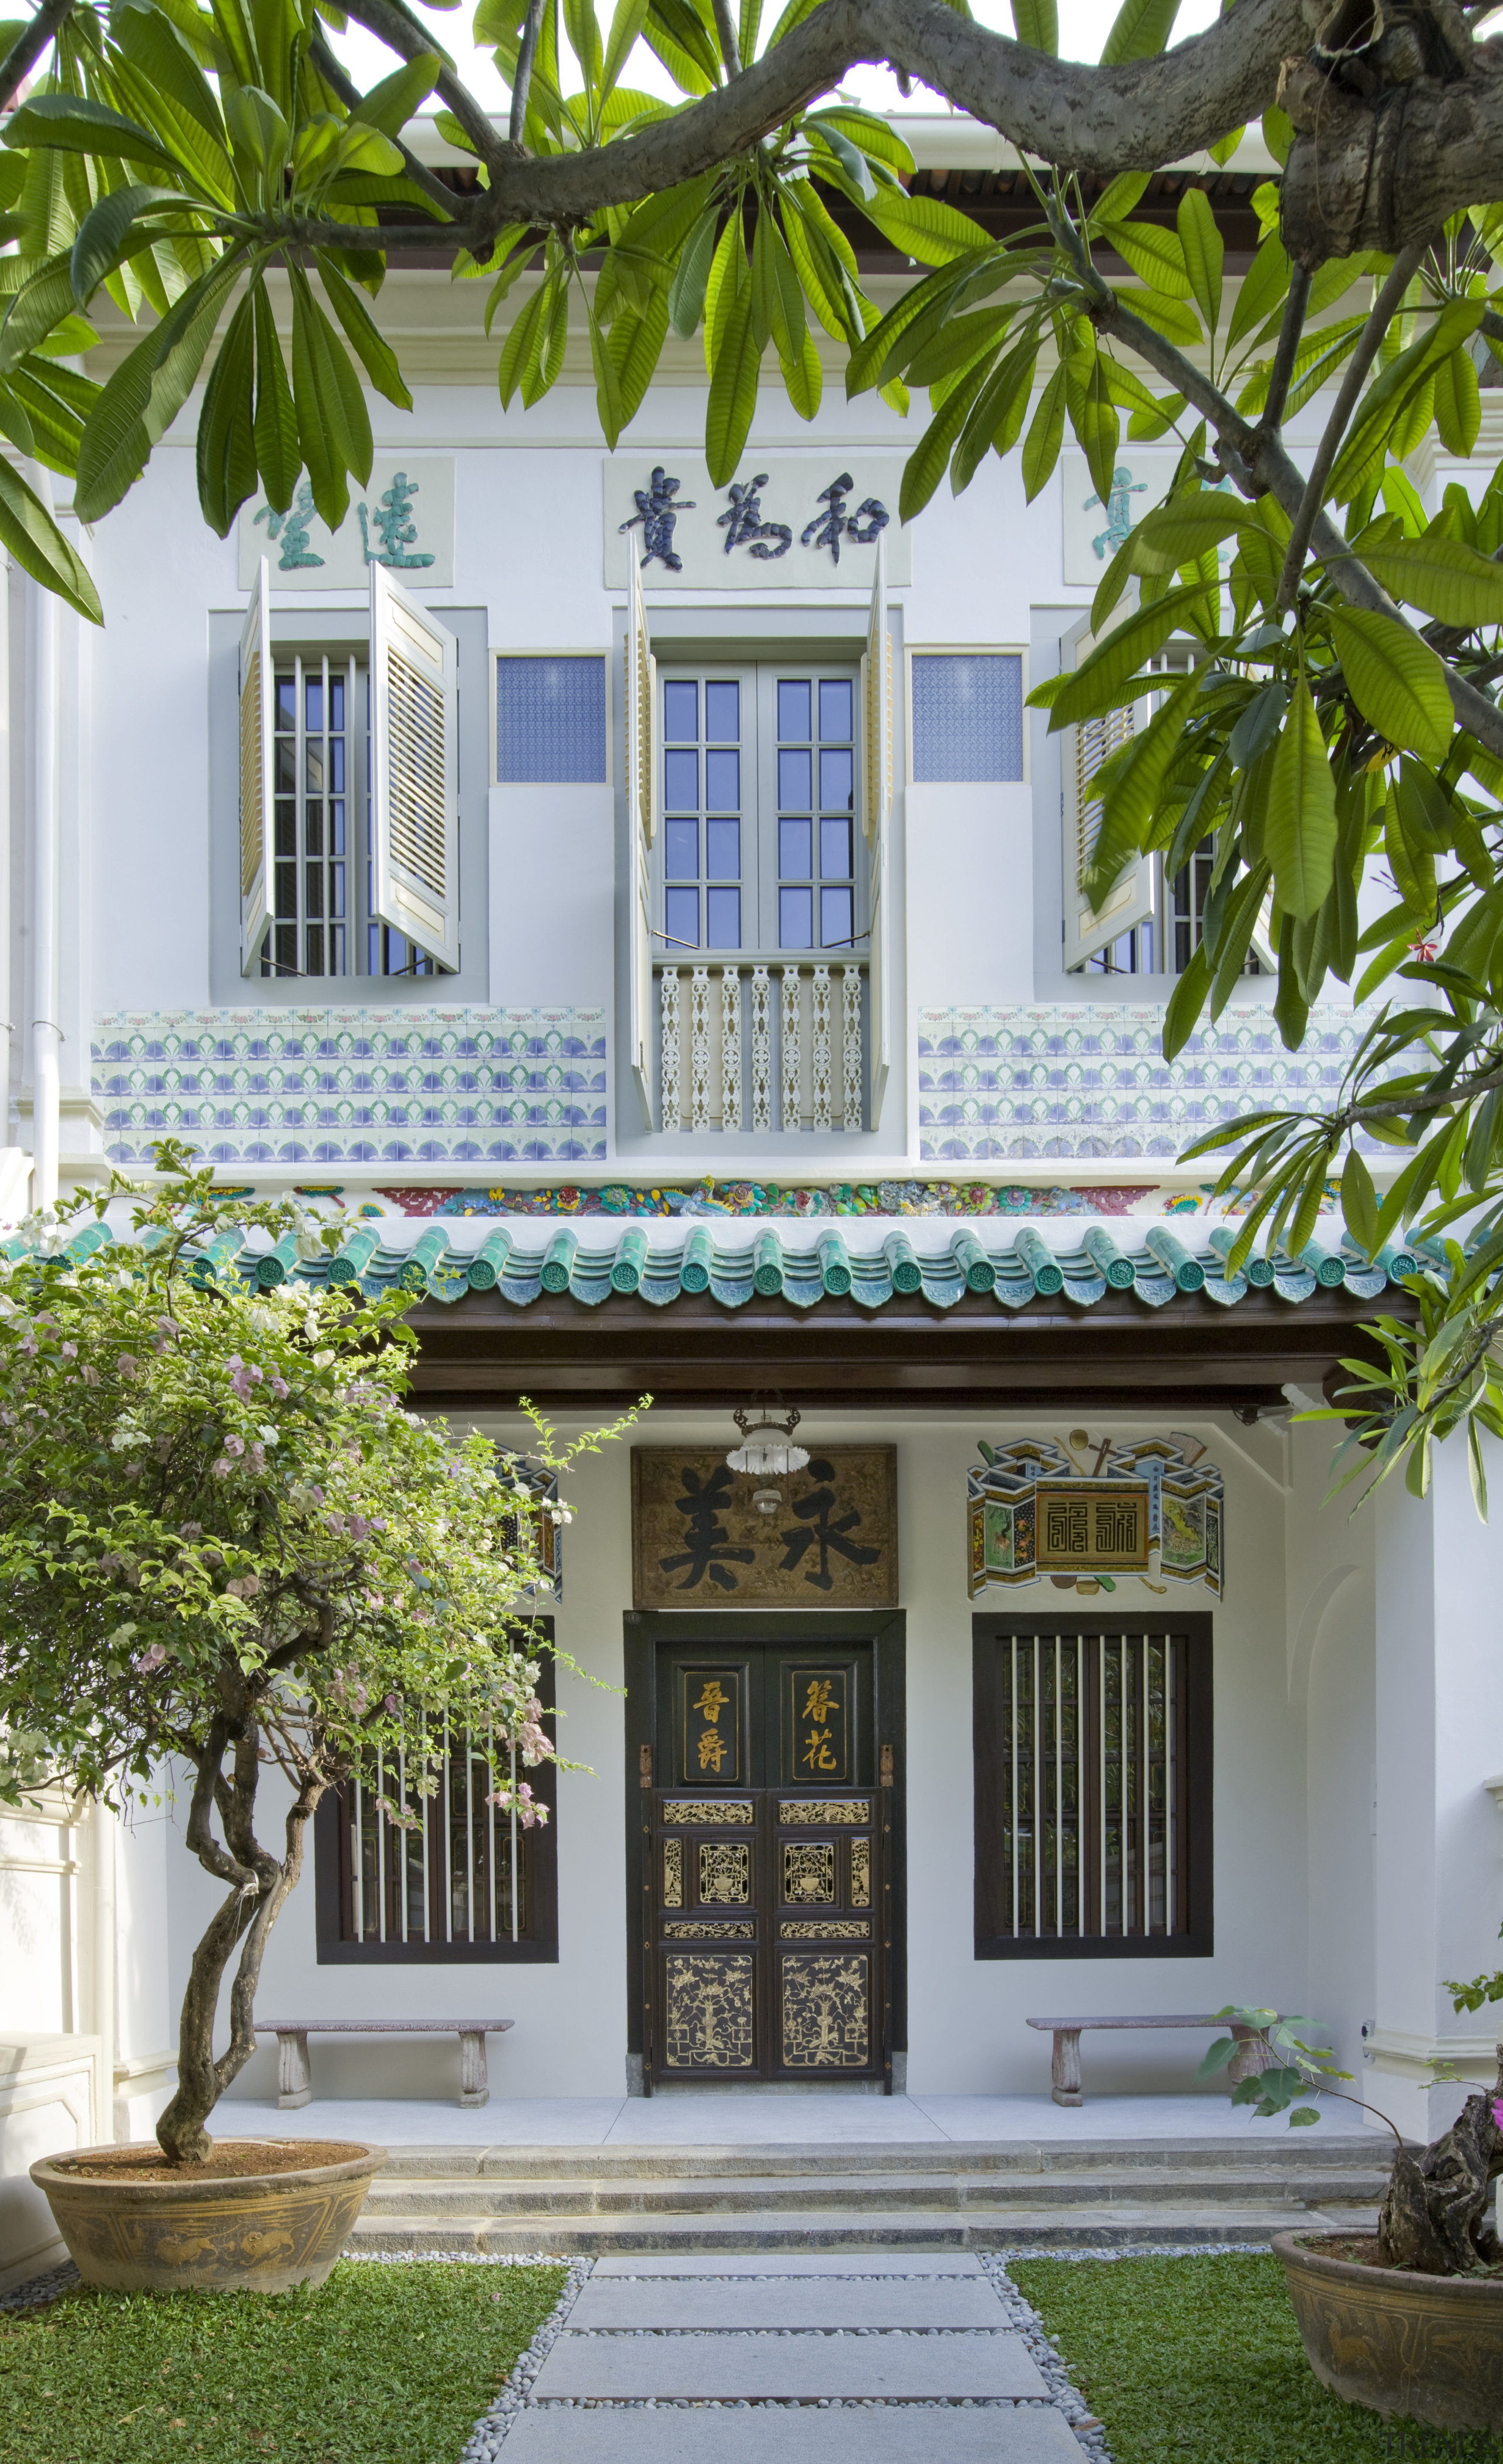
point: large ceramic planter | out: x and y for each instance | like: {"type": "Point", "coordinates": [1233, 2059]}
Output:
{"type": "Point", "coordinates": [1423, 2348]}
{"type": "Point", "coordinates": [252, 2232]}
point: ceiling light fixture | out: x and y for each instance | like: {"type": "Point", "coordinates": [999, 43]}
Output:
{"type": "Point", "coordinates": [765, 1452]}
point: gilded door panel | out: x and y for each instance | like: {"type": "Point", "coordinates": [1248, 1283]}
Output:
{"type": "Point", "coordinates": [825, 2009]}
{"type": "Point", "coordinates": [710, 2010]}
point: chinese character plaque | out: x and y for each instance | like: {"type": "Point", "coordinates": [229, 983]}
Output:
{"type": "Point", "coordinates": [1089, 1514]}
{"type": "Point", "coordinates": [699, 1540]}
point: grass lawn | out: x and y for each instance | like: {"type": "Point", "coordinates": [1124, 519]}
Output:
{"type": "Point", "coordinates": [380, 2365]}
{"type": "Point", "coordinates": [1195, 2357]}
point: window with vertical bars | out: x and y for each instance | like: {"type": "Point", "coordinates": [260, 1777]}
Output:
{"type": "Point", "coordinates": [444, 1877]}
{"type": "Point", "coordinates": [1092, 1763]}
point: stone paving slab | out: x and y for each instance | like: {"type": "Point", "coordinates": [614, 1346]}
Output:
{"type": "Point", "coordinates": [808, 2434]}
{"type": "Point", "coordinates": [794, 2302]}
{"type": "Point", "coordinates": [782, 2263]}
{"type": "Point", "coordinates": [803, 2366]}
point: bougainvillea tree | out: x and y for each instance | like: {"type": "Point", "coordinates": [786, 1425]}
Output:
{"type": "Point", "coordinates": [227, 1549]}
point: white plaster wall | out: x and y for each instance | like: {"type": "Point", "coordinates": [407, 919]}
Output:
{"type": "Point", "coordinates": [966, 2017]}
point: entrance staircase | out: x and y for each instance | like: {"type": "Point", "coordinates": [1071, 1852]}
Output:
{"type": "Point", "coordinates": [985, 2196]}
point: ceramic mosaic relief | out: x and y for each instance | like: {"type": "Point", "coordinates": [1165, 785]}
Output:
{"type": "Point", "coordinates": [356, 1086]}
{"type": "Point", "coordinates": [997, 1084]}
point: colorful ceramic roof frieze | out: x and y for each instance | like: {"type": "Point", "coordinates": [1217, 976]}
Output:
{"type": "Point", "coordinates": [710, 1197]}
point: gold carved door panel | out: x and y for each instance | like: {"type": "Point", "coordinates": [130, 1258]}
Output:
{"type": "Point", "coordinates": [765, 1908]}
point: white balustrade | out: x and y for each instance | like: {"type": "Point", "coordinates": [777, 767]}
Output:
{"type": "Point", "coordinates": [766, 1047]}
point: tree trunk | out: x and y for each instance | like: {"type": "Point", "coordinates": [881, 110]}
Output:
{"type": "Point", "coordinates": [1435, 2217]}
{"type": "Point", "coordinates": [259, 1887]}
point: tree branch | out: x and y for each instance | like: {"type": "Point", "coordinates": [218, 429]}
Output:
{"type": "Point", "coordinates": [524, 57]}
{"type": "Point", "coordinates": [730, 41]}
{"type": "Point", "coordinates": [349, 93]}
{"type": "Point", "coordinates": [412, 42]}
{"type": "Point", "coordinates": [29, 46]}
{"type": "Point", "coordinates": [1385, 307]}
{"type": "Point", "coordinates": [1286, 352]}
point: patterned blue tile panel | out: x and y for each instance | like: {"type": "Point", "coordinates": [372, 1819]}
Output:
{"type": "Point", "coordinates": [1092, 1080]}
{"type": "Point", "coordinates": [967, 715]}
{"type": "Point", "coordinates": [1017, 1273]}
{"type": "Point", "coordinates": [551, 720]}
{"type": "Point", "coordinates": [332, 1087]}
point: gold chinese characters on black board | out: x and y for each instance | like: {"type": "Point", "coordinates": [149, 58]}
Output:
{"type": "Point", "coordinates": [698, 1540]}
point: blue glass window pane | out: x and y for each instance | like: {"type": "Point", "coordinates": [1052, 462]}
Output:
{"type": "Point", "coordinates": [968, 716]}
{"type": "Point", "coordinates": [681, 851]}
{"type": "Point", "coordinates": [337, 765]}
{"type": "Point", "coordinates": [722, 850]}
{"type": "Point", "coordinates": [834, 709]}
{"type": "Point", "coordinates": [313, 702]}
{"type": "Point", "coordinates": [722, 713]}
{"type": "Point", "coordinates": [792, 711]}
{"type": "Point", "coordinates": [795, 844]}
{"type": "Point", "coordinates": [837, 782]}
{"type": "Point", "coordinates": [549, 721]}
{"type": "Point", "coordinates": [286, 703]}
{"type": "Point", "coordinates": [795, 919]}
{"type": "Point", "coordinates": [722, 918]}
{"type": "Point", "coordinates": [680, 916]}
{"type": "Point", "coordinates": [795, 781]}
{"type": "Point", "coordinates": [836, 923]}
{"type": "Point", "coordinates": [681, 781]}
{"type": "Point", "coordinates": [834, 851]}
{"type": "Point", "coordinates": [681, 713]}
{"type": "Point", "coordinates": [337, 701]}
{"type": "Point", "coordinates": [723, 783]}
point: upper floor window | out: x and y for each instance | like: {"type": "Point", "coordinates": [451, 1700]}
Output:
{"type": "Point", "coordinates": [549, 719]}
{"type": "Point", "coordinates": [349, 821]}
{"type": "Point", "coordinates": [1152, 921]}
{"type": "Point", "coordinates": [760, 825]}
{"type": "Point", "coordinates": [966, 709]}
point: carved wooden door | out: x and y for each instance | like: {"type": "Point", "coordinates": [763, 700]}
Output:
{"type": "Point", "coordinates": [766, 1907]}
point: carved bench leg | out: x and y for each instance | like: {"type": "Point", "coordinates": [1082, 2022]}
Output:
{"type": "Point", "coordinates": [474, 2084]}
{"type": "Point", "coordinates": [293, 2077]}
{"type": "Point", "coordinates": [1066, 2067]}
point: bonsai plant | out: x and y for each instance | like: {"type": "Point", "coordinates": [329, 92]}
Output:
{"type": "Point", "coordinates": [1408, 2320]}
{"type": "Point", "coordinates": [227, 1549]}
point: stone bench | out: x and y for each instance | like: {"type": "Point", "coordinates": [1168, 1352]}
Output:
{"type": "Point", "coordinates": [1245, 2064]}
{"type": "Point", "coordinates": [294, 2078]}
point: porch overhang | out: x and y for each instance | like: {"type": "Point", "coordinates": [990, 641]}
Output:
{"type": "Point", "coordinates": [1187, 1355]}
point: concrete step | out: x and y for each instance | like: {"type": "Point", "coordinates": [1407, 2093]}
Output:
{"type": "Point", "coordinates": [1284, 2151]}
{"type": "Point", "coordinates": [439, 2198]}
{"type": "Point", "coordinates": [1086, 2225]}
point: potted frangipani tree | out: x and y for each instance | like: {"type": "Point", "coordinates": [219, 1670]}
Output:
{"type": "Point", "coordinates": [1408, 2320]}
{"type": "Point", "coordinates": [228, 1550]}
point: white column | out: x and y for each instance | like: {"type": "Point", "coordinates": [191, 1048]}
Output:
{"type": "Point", "coordinates": [42, 866]}
{"type": "Point", "coordinates": [1439, 1886]}
{"type": "Point", "coordinates": [102, 1830]}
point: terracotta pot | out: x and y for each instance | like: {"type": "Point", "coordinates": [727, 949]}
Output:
{"type": "Point", "coordinates": [1425, 2348]}
{"type": "Point", "coordinates": [254, 2233]}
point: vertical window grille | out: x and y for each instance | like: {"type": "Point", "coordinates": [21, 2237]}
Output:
{"type": "Point", "coordinates": [1091, 1789]}
{"type": "Point", "coordinates": [314, 706]}
{"type": "Point", "coordinates": [702, 788]}
{"type": "Point", "coordinates": [434, 1869]}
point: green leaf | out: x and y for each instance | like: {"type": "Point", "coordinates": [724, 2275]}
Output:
{"type": "Point", "coordinates": [331, 408]}
{"type": "Point", "coordinates": [926, 226]}
{"type": "Point", "coordinates": [1037, 23]}
{"type": "Point", "coordinates": [1263, 289]}
{"type": "Point", "coordinates": [1458, 403]}
{"type": "Point", "coordinates": [77, 125]}
{"type": "Point", "coordinates": [804, 378]}
{"type": "Point", "coordinates": [1093, 415]}
{"type": "Point", "coordinates": [998, 412]}
{"type": "Point", "coordinates": [30, 535]}
{"type": "Point", "coordinates": [1045, 436]}
{"type": "Point", "coordinates": [925, 466]}
{"type": "Point", "coordinates": [1445, 577]}
{"type": "Point", "coordinates": [1117, 202]}
{"type": "Point", "coordinates": [1096, 683]}
{"type": "Point", "coordinates": [371, 346]}
{"type": "Point", "coordinates": [607, 385]}
{"type": "Point", "coordinates": [226, 449]}
{"type": "Point", "coordinates": [1359, 1201]}
{"type": "Point", "coordinates": [1140, 31]}
{"type": "Point", "coordinates": [1396, 680]}
{"type": "Point", "coordinates": [44, 299]}
{"type": "Point", "coordinates": [1154, 255]}
{"type": "Point", "coordinates": [1186, 1003]}
{"type": "Point", "coordinates": [686, 291]}
{"type": "Point", "coordinates": [635, 344]}
{"type": "Point", "coordinates": [626, 24]}
{"type": "Point", "coordinates": [104, 232]}
{"type": "Point", "coordinates": [391, 104]}
{"type": "Point", "coordinates": [733, 391]}
{"type": "Point", "coordinates": [1167, 314]}
{"type": "Point", "coordinates": [1201, 245]}
{"type": "Point", "coordinates": [146, 392]}
{"type": "Point", "coordinates": [1187, 527]}
{"type": "Point", "coordinates": [279, 455]}
{"type": "Point", "coordinates": [1299, 824]}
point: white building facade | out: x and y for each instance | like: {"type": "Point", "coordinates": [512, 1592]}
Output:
{"type": "Point", "coordinates": [644, 912]}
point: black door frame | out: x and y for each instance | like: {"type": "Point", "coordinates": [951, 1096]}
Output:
{"type": "Point", "coordinates": [886, 1631]}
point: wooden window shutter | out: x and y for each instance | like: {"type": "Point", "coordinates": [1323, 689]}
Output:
{"type": "Point", "coordinates": [1082, 750]}
{"type": "Point", "coordinates": [877, 785]}
{"type": "Point", "coordinates": [414, 771]}
{"type": "Point", "coordinates": [641, 691]}
{"type": "Point", "coordinates": [257, 708]}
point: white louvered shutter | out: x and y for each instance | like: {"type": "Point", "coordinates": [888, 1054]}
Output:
{"type": "Point", "coordinates": [257, 703]}
{"type": "Point", "coordinates": [414, 781]}
{"type": "Point", "coordinates": [640, 690]}
{"type": "Point", "coordinates": [877, 792]}
{"type": "Point", "coordinates": [1082, 750]}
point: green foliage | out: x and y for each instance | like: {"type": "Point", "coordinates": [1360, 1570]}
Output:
{"type": "Point", "coordinates": [1293, 2067]}
{"type": "Point", "coordinates": [379, 2365]}
{"type": "Point", "coordinates": [1199, 2357]}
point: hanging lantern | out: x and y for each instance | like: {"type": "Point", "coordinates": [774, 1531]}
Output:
{"type": "Point", "coordinates": [765, 1452]}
